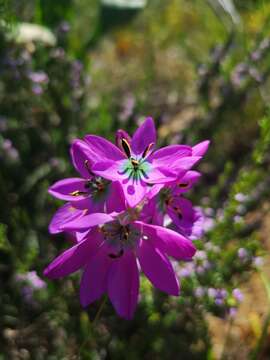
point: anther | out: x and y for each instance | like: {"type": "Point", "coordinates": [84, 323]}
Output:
{"type": "Point", "coordinates": [147, 149]}
{"type": "Point", "coordinates": [183, 185]}
{"type": "Point", "coordinates": [126, 147]}
{"type": "Point", "coordinates": [86, 164]}
{"type": "Point", "coordinates": [118, 255]}
{"type": "Point", "coordinates": [78, 193]}
{"type": "Point", "coordinates": [178, 212]}
{"type": "Point", "coordinates": [135, 163]}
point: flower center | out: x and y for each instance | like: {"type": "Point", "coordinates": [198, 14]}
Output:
{"type": "Point", "coordinates": [119, 237]}
{"type": "Point", "coordinates": [135, 168]}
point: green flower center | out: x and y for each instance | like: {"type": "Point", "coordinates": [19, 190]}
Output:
{"type": "Point", "coordinates": [136, 169]}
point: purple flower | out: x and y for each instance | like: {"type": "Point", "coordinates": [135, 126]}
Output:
{"type": "Point", "coordinates": [37, 89]}
{"type": "Point", "coordinates": [39, 77]}
{"type": "Point", "coordinates": [242, 253]}
{"type": "Point", "coordinates": [238, 295]}
{"type": "Point", "coordinates": [108, 253]}
{"type": "Point", "coordinates": [137, 166]}
{"type": "Point", "coordinates": [258, 261]}
{"type": "Point", "coordinates": [212, 293]}
{"type": "Point", "coordinates": [199, 292]}
{"type": "Point", "coordinates": [115, 214]}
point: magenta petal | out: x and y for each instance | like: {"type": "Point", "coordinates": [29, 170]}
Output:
{"type": "Point", "coordinates": [161, 175]}
{"type": "Point", "coordinates": [154, 190]}
{"type": "Point", "coordinates": [64, 214]}
{"type": "Point", "coordinates": [123, 285]}
{"type": "Point", "coordinates": [201, 148]}
{"type": "Point", "coordinates": [86, 222]}
{"type": "Point", "coordinates": [184, 216]}
{"type": "Point", "coordinates": [144, 135]}
{"type": "Point", "coordinates": [115, 201]}
{"type": "Point", "coordinates": [134, 192]}
{"type": "Point", "coordinates": [103, 148]}
{"type": "Point", "coordinates": [121, 134]}
{"type": "Point", "coordinates": [168, 241]}
{"type": "Point", "coordinates": [186, 182]}
{"type": "Point", "coordinates": [62, 189]}
{"type": "Point", "coordinates": [165, 156]}
{"type": "Point", "coordinates": [80, 153]}
{"type": "Point", "coordinates": [108, 169]}
{"type": "Point", "coordinates": [75, 257]}
{"type": "Point", "coordinates": [185, 163]}
{"type": "Point", "coordinates": [94, 279]}
{"type": "Point", "coordinates": [157, 268]}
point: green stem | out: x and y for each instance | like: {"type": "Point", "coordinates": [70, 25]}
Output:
{"type": "Point", "coordinates": [97, 316]}
{"type": "Point", "coordinates": [99, 310]}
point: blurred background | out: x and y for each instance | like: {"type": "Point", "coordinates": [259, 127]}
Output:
{"type": "Point", "coordinates": [201, 69]}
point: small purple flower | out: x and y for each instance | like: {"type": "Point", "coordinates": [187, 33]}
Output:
{"type": "Point", "coordinates": [241, 197]}
{"type": "Point", "coordinates": [242, 253]}
{"type": "Point", "coordinates": [128, 107]}
{"type": "Point", "coordinates": [258, 261]}
{"type": "Point", "coordinates": [238, 295]}
{"type": "Point", "coordinates": [199, 292]}
{"type": "Point", "coordinates": [38, 77]}
{"type": "Point", "coordinates": [232, 312]}
{"type": "Point", "coordinates": [10, 151]}
{"type": "Point", "coordinates": [219, 301]}
{"type": "Point", "coordinates": [212, 293]}
{"type": "Point", "coordinates": [32, 279]}
{"type": "Point", "coordinates": [37, 89]}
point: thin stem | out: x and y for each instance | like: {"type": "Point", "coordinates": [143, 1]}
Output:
{"type": "Point", "coordinates": [99, 310]}
{"type": "Point", "coordinates": [97, 316]}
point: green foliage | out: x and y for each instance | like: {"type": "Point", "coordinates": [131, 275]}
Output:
{"type": "Point", "coordinates": [174, 60]}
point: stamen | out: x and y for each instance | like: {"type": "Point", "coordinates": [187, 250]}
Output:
{"type": "Point", "coordinates": [86, 164]}
{"type": "Point", "coordinates": [135, 163]}
{"type": "Point", "coordinates": [118, 255]}
{"type": "Point", "coordinates": [183, 185]}
{"type": "Point", "coordinates": [78, 193]}
{"type": "Point", "coordinates": [147, 149]}
{"type": "Point", "coordinates": [178, 212]}
{"type": "Point", "coordinates": [126, 148]}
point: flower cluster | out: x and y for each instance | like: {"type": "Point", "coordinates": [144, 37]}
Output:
{"type": "Point", "coordinates": [126, 213]}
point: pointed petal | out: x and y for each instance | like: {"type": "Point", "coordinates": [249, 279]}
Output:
{"type": "Point", "coordinates": [123, 285]}
{"type": "Point", "coordinates": [201, 148]}
{"type": "Point", "coordinates": [168, 241]}
{"type": "Point", "coordinates": [121, 134]}
{"type": "Point", "coordinates": [80, 153]}
{"type": "Point", "coordinates": [75, 257]}
{"type": "Point", "coordinates": [64, 214]}
{"type": "Point", "coordinates": [84, 223]}
{"type": "Point", "coordinates": [157, 268]}
{"type": "Point", "coordinates": [168, 154]}
{"type": "Point", "coordinates": [64, 188]}
{"type": "Point", "coordinates": [144, 135]}
{"type": "Point", "coordinates": [185, 163]}
{"type": "Point", "coordinates": [94, 279]}
{"type": "Point", "coordinates": [103, 148]}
